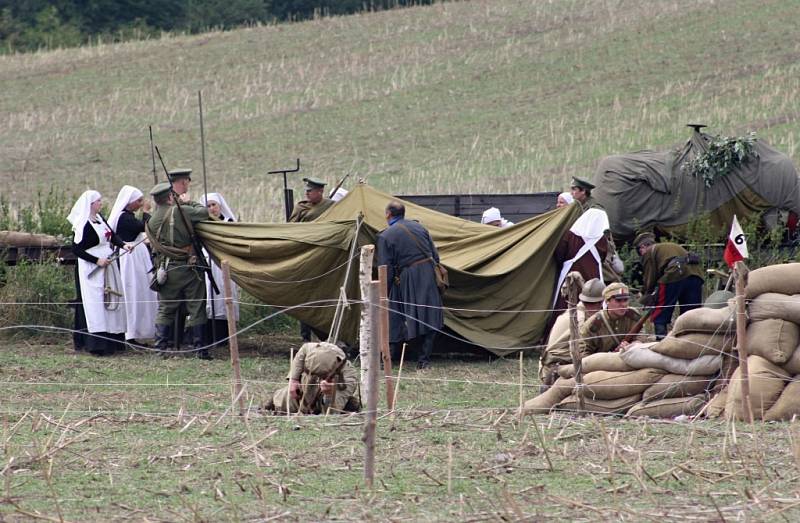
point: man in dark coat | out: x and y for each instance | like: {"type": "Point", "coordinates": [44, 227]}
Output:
{"type": "Point", "coordinates": [407, 250]}
{"type": "Point", "coordinates": [671, 276]}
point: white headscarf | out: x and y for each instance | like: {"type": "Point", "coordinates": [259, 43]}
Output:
{"type": "Point", "coordinates": [567, 197]}
{"type": "Point", "coordinates": [227, 212]}
{"type": "Point", "coordinates": [127, 195]}
{"type": "Point", "coordinates": [79, 214]}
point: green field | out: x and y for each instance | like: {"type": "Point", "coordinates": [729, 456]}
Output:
{"type": "Point", "coordinates": [479, 96]}
{"type": "Point", "coordinates": [139, 438]}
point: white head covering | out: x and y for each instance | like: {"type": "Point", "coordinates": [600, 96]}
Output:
{"type": "Point", "coordinates": [490, 215]}
{"type": "Point", "coordinates": [79, 214]}
{"type": "Point", "coordinates": [223, 205]}
{"type": "Point", "coordinates": [567, 197]}
{"type": "Point", "coordinates": [340, 193]}
{"type": "Point", "coordinates": [127, 195]}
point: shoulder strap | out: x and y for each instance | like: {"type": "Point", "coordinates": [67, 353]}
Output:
{"type": "Point", "coordinates": [416, 240]}
{"type": "Point", "coordinates": [610, 330]}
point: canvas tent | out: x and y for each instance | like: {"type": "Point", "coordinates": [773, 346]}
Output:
{"type": "Point", "coordinates": [649, 190]}
{"type": "Point", "coordinates": [498, 276]}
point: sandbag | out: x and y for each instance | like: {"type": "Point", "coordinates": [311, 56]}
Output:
{"type": "Point", "coordinates": [668, 408]}
{"type": "Point", "coordinates": [607, 385]}
{"type": "Point", "coordinates": [704, 319]}
{"type": "Point", "coordinates": [617, 406]}
{"type": "Point", "coordinates": [788, 403]}
{"type": "Point", "coordinates": [693, 345]}
{"type": "Point", "coordinates": [610, 361]}
{"type": "Point", "coordinates": [783, 278]}
{"type": "Point", "coordinates": [640, 357]}
{"type": "Point", "coordinates": [542, 403]}
{"type": "Point", "coordinates": [766, 384]}
{"type": "Point", "coordinates": [792, 365]}
{"type": "Point", "coordinates": [772, 305]}
{"type": "Point", "coordinates": [716, 406]}
{"type": "Point", "coordinates": [774, 340]}
{"type": "Point", "coordinates": [676, 386]}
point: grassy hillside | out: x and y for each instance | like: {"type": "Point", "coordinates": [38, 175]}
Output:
{"type": "Point", "coordinates": [477, 96]}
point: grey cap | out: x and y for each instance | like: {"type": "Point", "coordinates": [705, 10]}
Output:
{"type": "Point", "coordinates": [592, 291]}
{"type": "Point", "coordinates": [582, 184]}
{"type": "Point", "coordinates": [177, 174]}
{"type": "Point", "coordinates": [718, 299]}
{"type": "Point", "coordinates": [160, 188]}
{"type": "Point", "coordinates": [644, 238]}
{"type": "Point", "coordinates": [313, 183]}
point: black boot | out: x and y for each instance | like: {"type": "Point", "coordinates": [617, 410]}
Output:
{"type": "Point", "coordinates": [661, 331]}
{"type": "Point", "coordinates": [197, 341]}
{"type": "Point", "coordinates": [427, 349]}
{"type": "Point", "coordinates": [163, 339]}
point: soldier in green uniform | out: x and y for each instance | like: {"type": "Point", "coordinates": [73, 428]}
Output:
{"type": "Point", "coordinates": [581, 191]}
{"type": "Point", "coordinates": [315, 203]}
{"type": "Point", "coordinates": [321, 378]}
{"type": "Point", "coordinates": [671, 276]}
{"type": "Point", "coordinates": [172, 246]}
{"type": "Point", "coordinates": [606, 330]}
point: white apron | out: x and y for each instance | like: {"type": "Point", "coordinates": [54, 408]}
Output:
{"type": "Point", "coordinates": [141, 303]}
{"type": "Point", "coordinates": [591, 227]}
{"type": "Point", "coordinates": [98, 319]}
{"type": "Point", "coordinates": [219, 299]}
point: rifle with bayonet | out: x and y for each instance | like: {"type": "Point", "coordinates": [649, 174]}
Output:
{"type": "Point", "coordinates": [197, 245]}
{"type": "Point", "coordinates": [341, 182]}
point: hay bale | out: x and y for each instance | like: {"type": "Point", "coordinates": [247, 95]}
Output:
{"type": "Point", "coordinates": [792, 365]}
{"type": "Point", "coordinates": [788, 403]}
{"type": "Point", "coordinates": [668, 408]}
{"type": "Point", "coordinates": [617, 406]}
{"type": "Point", "coordinates": [676, 386]}
{"type": "Point", "coordinates": [766, 384]}
{"type": "Point", "coordinates": [542, 403]}
{"type": "Point", "coordinates": [610, 361]}
{"type": "Point", "coordinates": [607, 385]}
{"type": "Point", "coordinates": [693, 345]}
{"type": "Point", "coordinates": [774, 340]}
{"type": "Point", "coordinates": [640, 357]}
{"type": "Point", "coordinates": [703, 319]}
{"type": "Point", "coordinates": [772, 305]}
{"type": "Point", "coordinates": [783, 278]}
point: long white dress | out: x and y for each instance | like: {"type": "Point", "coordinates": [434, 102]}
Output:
{"type": "Point", "coordinates": [219, 299]}
{"type": "Point", "coordinates": [141, 302]}
{"type": "Point", "coordinates": [98, 317]}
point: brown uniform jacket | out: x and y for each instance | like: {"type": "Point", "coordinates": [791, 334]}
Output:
{"type": "Point", "coordinates": [601, 333]}
{"type": "Point", "coordinates": [304, 211]}
{"type": "Point", "coordinates": [657, 269]}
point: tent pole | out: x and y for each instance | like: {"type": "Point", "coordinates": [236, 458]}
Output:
{"type": "Point", "coordinates": [383, 272]}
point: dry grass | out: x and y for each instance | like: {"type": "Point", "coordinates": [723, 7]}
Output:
{"type": "Point", "coordinates": [473, 96]}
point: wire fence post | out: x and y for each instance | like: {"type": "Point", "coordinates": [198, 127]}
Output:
{"type": "Point", "coordinates": [740, 270]}
{"type": "Point", "coordinates": [574, 282]}
{"type": "Point", "coordinates": [383, 272]}
{"type": "Point", "coordinates": [233, 341]}
{"type": "Point", "coordinates": [372, 379]}
{"type": "Point", "coordinates": [365, 328]}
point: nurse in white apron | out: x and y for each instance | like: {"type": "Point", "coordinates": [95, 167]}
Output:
{"type": "Point", "coordinates": [100, 308]}
{"type": "Point", "coordinates": [141, 303]}
{"type": "Point", "coordinates": [219, 209]}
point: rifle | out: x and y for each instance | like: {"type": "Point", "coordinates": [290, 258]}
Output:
{"type": "Point", "coordinates": [341, 182]}
{"type": "Point", "coordinates": [308, 399]}
{"type": "Point", "coordinates": [205, 192]}
{"type": "Point", "coordinates": [197, 245]}
{"type": "Point", "coordinates": [153, 155]}
{"type": "Point", "coordinates": [636, 327]}
{"type": "Point", "coordinates": [115, 257]}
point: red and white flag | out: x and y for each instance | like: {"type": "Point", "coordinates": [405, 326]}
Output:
{"type": "Point", "coordinates": [736, 248]}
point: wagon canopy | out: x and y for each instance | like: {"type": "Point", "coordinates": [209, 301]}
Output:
{"type": "Point", "coordinates": [650, 190]}
{"type": "Point", "coordinates": [498, 276]}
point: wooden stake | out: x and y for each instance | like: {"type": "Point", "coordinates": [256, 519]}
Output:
{"type": "Point", "coordinates": [372, 379]}
{"type": "Point", "coordinates": [399, 376]}
{"type": "Point", "coordinates": [521, 391]}
{"type": "Point", "coordinates": [365, 329]}
{"type": "Point", "coordinates": [574, 281]}
{"type": "Point", "coordinates": [233, 341]}
{"type": "Point", "coordinates": [450, 467]}
{"type": "Point", "coordinates": [384, 328]}
{"type": "Point", "coordinates": [289, 389]}
{"type": "Point", "coordinates": [740, 269]}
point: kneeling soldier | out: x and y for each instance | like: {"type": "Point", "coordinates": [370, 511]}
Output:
{"type": "Point", "coordinates": [607, 329]}
{"type": "Point", "coordinates": [321, 378]}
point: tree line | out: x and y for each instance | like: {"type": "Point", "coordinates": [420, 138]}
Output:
{"type": "Point", "coordinates": [27, 25]}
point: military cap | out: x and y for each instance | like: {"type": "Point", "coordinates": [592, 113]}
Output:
{"type": "Point", "coordinates": [644, 238]}
{"type": "Point", "coordinates": [177, 174]}
{"type": "Point", "coordinates": [592, 291]}
{"type": "Point", "coordinates": [582, 184]}
{"type": "Point", "coordinates": [616, 290]}
{"type": "Point", "coordinates": [160, 188]}
{"type": "Point", "coordinates": [718, 299]}
{"type": "Point", "coordinates": [313, 183]}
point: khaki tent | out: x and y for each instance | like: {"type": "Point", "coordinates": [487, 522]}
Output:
{"type": "Point", "coordinates": [499, 278]}
{"type": "Point", "coordinates": [650, 190]}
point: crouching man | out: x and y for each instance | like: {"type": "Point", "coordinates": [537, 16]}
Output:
{"type": "Point", "coordinates": [320, 379]}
